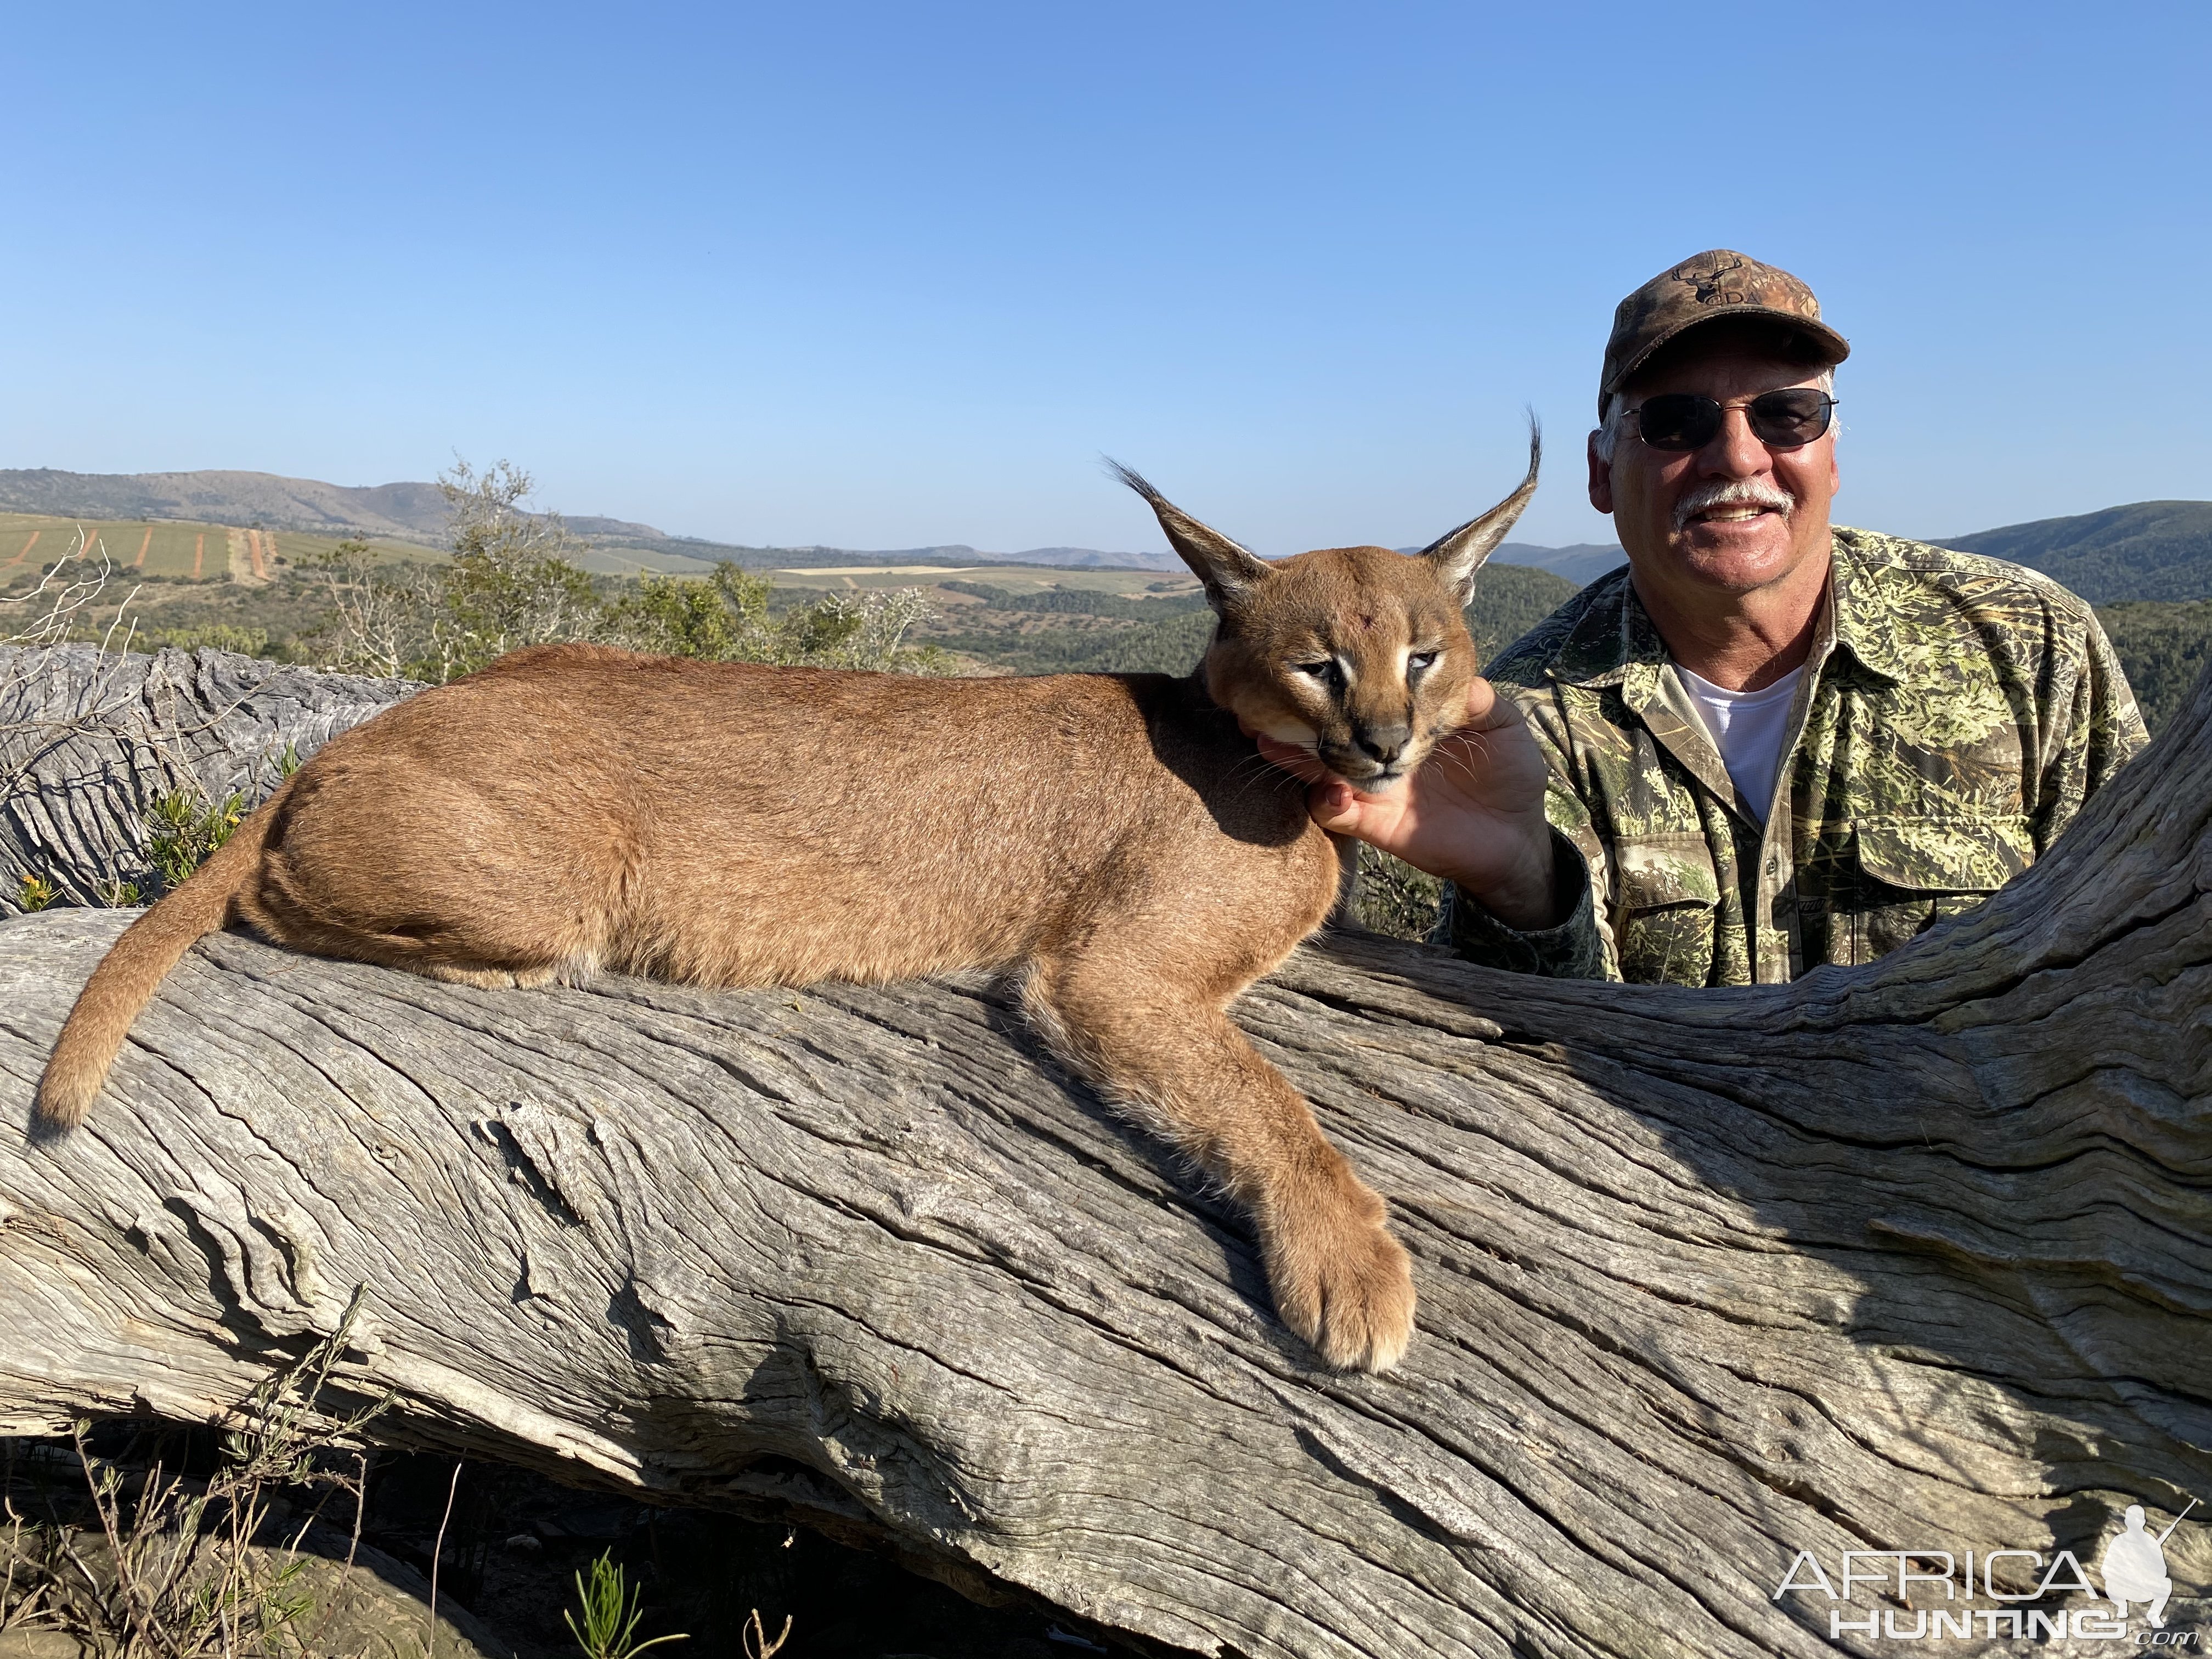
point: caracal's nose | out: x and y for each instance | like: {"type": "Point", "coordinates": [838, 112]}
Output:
{"type": "Point", "coordinates": [1382, 744]}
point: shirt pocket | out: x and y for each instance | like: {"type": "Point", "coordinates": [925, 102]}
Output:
{"type": "Point", "coordinates": [1915, 871]}
{"type": "Point", "coordinates": [1665, 896]}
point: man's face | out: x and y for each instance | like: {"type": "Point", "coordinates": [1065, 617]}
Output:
{"type": "Point", "coordinates": [1675, 521]}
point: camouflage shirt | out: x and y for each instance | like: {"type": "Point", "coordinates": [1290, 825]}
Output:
{"type": "Point", "coordinates": [1954, 713]}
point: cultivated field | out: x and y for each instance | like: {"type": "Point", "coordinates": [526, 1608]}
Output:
{"type": "Point", "coordinates": [168, 548]}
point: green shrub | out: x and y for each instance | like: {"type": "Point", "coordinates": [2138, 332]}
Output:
{"type": "Point", "coordinates": [185, 830]}
{"type": "Point", "coordinates": [727, 618]}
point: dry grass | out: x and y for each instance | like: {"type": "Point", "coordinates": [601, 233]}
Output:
{"type": "Point", "coordinates": [168, 1567]}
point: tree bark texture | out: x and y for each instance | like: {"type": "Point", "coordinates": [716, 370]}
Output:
{"type": "Point", "coordinates": [89, 740]}
{"type": "Point", "coordinates": [1911, 1257]}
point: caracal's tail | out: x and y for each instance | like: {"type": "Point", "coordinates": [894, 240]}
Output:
{"type": "Point", "coordinates": [130, 973]}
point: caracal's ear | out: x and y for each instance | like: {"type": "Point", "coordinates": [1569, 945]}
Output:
{"type": "Point", "coordinates": [1458, 554]}
{"type": "Point", "coordinates": [1230, 573]}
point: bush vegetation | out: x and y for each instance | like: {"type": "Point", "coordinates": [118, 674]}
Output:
{"type": "Point", "coordinates": [184, 830]}
{"type": "Point", "coordinates": [514, 581]}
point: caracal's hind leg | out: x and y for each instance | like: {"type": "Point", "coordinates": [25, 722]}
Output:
{"type": "Point", "coordinates": [1170, 1056]}
{"type": "Point", "coordinates": [489, 944]}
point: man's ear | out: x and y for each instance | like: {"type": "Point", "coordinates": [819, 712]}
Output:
{"type": "Point", "coordinates": [1601, 477]}
{"type": "Point", "coordinates": [1458, 554]}
{"type": "Point", "coordinates": [1229, 572]}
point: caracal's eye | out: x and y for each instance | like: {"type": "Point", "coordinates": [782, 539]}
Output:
{"type": "Point", "coordinates": [1420, 662]}
{"type": "Point", "coordinates": [1324, 670]}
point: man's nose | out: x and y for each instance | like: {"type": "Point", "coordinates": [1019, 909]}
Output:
{"type": "Point", "coordinates": [1734, 452]}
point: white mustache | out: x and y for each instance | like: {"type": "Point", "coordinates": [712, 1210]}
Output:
{"type": "Point", "coordinates": [1742, 492]}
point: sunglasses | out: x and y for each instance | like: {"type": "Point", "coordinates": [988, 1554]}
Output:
{"type": "Point", "coordinates": [1781, 420]}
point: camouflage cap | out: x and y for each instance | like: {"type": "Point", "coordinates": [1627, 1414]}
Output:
{"type": "Point", "coordinates": [1703, 288]}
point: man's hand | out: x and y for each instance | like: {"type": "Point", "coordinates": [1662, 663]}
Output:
{"type": "Point", "coordinates": [1472, 814]}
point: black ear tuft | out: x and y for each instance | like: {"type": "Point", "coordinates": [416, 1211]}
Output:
{"type": "Point", "coordinates": [1131, 476]}
{"type": "Point", "coordinates": [1458, 554]}
{"type": "Point", "coordinates": [1229, 571]}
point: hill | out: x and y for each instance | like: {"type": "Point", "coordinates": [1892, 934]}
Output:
{"type": "Point", "coordinates": [404, 512]}
{"type": "Point", "coordinates": [1581, 564]}
{"type": "Point", "coordinates": [2148, 550]}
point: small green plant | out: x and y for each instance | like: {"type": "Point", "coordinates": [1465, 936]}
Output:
{"type": "Point", "coordinates": [113, 893]}
{"type": "Point", "coordinates": [186, 830]}
{"type": "Point", "coordinates": [34, 892]}
{"type": "Point", "coordinates": [610, 1606]}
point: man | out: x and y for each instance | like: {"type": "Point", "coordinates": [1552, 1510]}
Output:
{"type": "Point", "coordinates": [1768, 744]}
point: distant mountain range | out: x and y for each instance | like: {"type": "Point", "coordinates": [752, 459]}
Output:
{"type": "Point", "coordinates": [1581, 564]}
{"type": "Point", "coordinates": [2148, 550]}
{"type": "Point", "coordinates": [2151, 550]}
{"type": "Point", "coordinates": [416, 512]}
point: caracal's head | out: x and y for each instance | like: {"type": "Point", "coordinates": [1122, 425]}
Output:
{"type": "Point", "coordinates": [1358, 654]}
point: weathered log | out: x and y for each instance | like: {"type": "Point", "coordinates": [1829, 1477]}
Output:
{"type": "Point", "coordinates": [89, 740]}
{"type": "Point", "coordinates": [1917, 1256]}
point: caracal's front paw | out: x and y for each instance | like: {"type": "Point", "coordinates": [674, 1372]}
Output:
{"type": "Point", "coordinates": [1342, 1283]}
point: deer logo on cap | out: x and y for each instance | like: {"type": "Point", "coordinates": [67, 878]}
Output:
{"type": "Point", "coordinates": [1707, 281]}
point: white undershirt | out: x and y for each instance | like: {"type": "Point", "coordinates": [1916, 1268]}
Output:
{"type": "Point", "coordinates": [1748, 728]}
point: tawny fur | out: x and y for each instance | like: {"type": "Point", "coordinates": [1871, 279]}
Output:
{"type": "Point", "coordinates": [1115, 839]}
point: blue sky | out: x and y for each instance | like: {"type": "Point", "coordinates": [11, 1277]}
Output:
{"type": "Point", "coordinates": [880, 276]}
